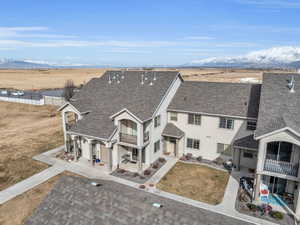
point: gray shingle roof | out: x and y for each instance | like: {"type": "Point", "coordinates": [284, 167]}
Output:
{"type": "Point", "coordinates": [232, 99]}
{"type": "Point", "coordinates": [171, 130]}
{"type": "Point", "coordinates": [103, 100]}
{"type": "Point", "coordinates": [75, 201]}
{"type": "Point", "coordinates": [279, 108]}
{"type": "Point", "coordinates": [245, 138]}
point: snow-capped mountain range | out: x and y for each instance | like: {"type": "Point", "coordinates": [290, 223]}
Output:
{"type": "Point", "coordinates": [278, 57]}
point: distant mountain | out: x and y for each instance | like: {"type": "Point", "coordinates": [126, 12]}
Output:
{"type": "Point", "coordinates": [21, 64]}
{"type": "Point", "coordinates": [280, 57]}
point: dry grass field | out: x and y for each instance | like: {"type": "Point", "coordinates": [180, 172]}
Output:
{"type": "Point", "coordinates": [196, 182]}
{"type": "Point", "coordinates": [56, 78]}
{"type": "Point", "coordinates": [26, 130]}
{"type": "Point", "coordinates": [45, 78]}
{"type": "Point", "coordinates": [18, 209]}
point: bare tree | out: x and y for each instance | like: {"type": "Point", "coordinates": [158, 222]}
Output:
{"type": "Point", "coordinates": [69, 89]}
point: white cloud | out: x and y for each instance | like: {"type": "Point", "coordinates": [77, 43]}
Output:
{"type": "Point", "coordinates": [272, 3]}
{"type": "Point", "coordinates": [198, 38]}
{"type": "Point", "coordinates": [29, 32]}
{"type": "Point", "coordinates": [68, 43]}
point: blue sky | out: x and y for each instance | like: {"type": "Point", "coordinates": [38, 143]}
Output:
{"type": "Point", "coordinates": [144, 32]}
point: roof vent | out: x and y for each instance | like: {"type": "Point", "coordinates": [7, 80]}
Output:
{"type": "Point", "coordinates": [109, 79]}
{"type": "Point", "coordinates": [291, 84]}
{"type": "Point", "coordinates": [142, 79]}
{"type": "Point", "coordinates": [154, 76]}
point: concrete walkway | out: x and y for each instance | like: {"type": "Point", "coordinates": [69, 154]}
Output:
{"type": "Point", "coordinates": [227, 207]}
{"type": "Point", "coordinates": [29, 183]}
{"type": "Point", "coordinates": [171, 161]}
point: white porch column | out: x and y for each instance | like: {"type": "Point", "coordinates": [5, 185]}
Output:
{"type": "Point", "coordinates": [63, 115]}
{"type": "Point", "coordinates": [257, 186]}
{"type": "Point", "coordinates": [75, 151]}
{"type": "Point", "coordinates": [90, 142]}
{"type": "Point", "coordinates": [140, 162]}
{"type": "Point", "coordinates": [176, 148]}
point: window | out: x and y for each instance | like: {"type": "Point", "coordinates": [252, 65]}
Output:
{"type": "Point", "coordinates": [193, 143]}
{"type": "Point", "coordinates": [194, 119]}
{"type": "Point", "coordinates": [251, 125]}
{"type": "Point", "coordinates": [226, 123]}
{"type": "Point", "coordinates": [224, 149]}
{"type": "Point", "coordinates": [156, 146]}
{"type": "Point", "coordinates": [157, 121]}
{"type": "Point", "coordinates": [173, 116]}
{"type": "Point", "coordinates": [248, 154]}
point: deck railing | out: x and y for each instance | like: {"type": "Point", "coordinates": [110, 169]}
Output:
{"type": "Point", "coordinates": [281, 167]}
{"type": "Point", "coordinates": [128, 138]}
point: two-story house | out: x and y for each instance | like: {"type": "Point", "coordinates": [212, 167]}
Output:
{"type": "Point", "coordinates": [128, 119]}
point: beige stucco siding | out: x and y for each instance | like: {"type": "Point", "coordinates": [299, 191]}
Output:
{"type": "Point", "coordinates": [208, 133]}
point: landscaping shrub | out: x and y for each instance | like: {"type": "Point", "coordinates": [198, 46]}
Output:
{"type": "Point", "coordinates": [276, 215]}
{"type": "Point", "coordinates": [135, 174]}
{"type": "Point", "coordinates": [147, 172]}
{"type": "Point", "coordinates": [161, 160]}
{"type": "Point", "coordinates": [155, 166]}
{"type": "Point", "coordinates": [183, 158]}
{"type": "Point", "coordinates": [219, 161]}
{"type": "Point", "coordinates": [189, 156]}
{"type": "Point", "coordinates": [252, 207]}
{"type": "Point", "coordinates": [121, 171]}
{"type": "Point", "coordinates": [199, 158]}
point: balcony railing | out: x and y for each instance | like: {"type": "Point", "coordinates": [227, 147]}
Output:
{"type": "Point", "coordinates": [128, 138]}
{"type": "Point", "coordinates": [285, 168]}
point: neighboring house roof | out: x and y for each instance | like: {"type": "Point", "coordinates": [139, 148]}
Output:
{"type": "Point", "coordinates": [102, 100]}
{"type": "Point", "coordinates": [171, 130]}
{"type": "Point", "coordinates": [73, 200]}
{"type": "Point", "coordinates": [245, 138]}
{"type": "Point", "coordinates": [231, 99]}
{"type": "Point", "coordinates": [279, 108]}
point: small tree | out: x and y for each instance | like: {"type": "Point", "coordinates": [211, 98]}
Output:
{"type": "Point", "coordinates": [69, 89]}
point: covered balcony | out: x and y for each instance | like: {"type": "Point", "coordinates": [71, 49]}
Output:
{"type": "Point", "coordinates": [128, 132]}
{"type": "Point", "coordinates": [281, 159]}
{"type": "Point", "coordinates": [281, 167]}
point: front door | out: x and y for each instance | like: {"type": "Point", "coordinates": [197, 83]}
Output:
{"type": "Point", "coordinates": [171, 146]}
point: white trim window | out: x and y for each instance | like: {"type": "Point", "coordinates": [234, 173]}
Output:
{"type": "Point", "coordinates": [194, 119]}
{"type": "Point", "coordinates": [156, 146]}
{"type": "Point", "coordinates": [173, 116]}
{"type": "Point", "coordinates": [193, 143]}
{"type": "Point", "coordinates": [226, 123]}
{"type": "Point", "coordinates": [157, 121]}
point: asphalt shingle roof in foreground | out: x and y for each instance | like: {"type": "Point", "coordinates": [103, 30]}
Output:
{"type": "Point", "coordinates": [218, 98]}
{"type": "Point", "coordinates": [102, 99]}
{"type": "Point", "coordinates": [75, 201]}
